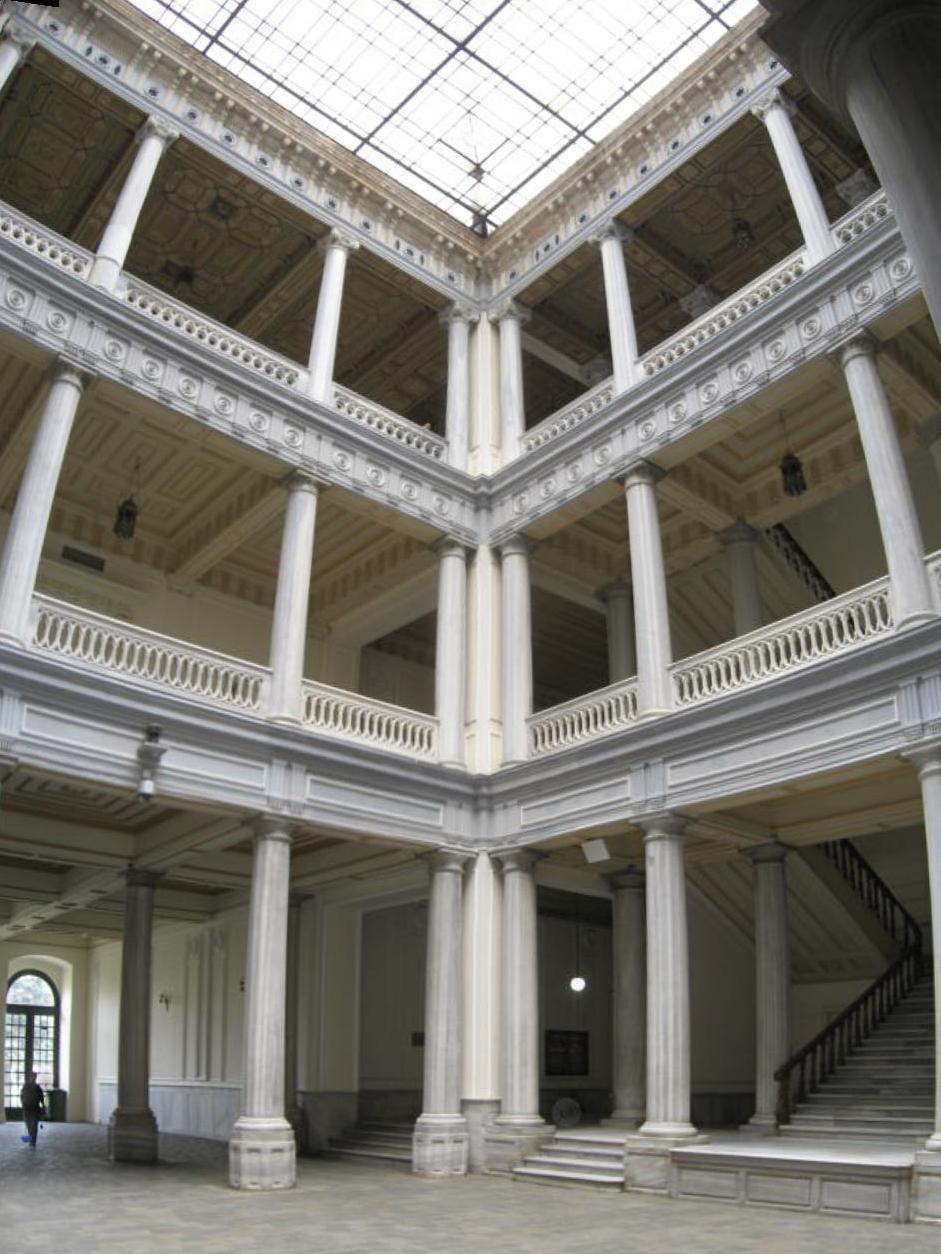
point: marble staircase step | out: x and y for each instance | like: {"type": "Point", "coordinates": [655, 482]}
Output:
{"type": "Point", "coordinates": [376, 1153]}
{"type": "Point", "coordinates": [566, 1162]}
{"type": "Point", "coordinates": [566, 1177]}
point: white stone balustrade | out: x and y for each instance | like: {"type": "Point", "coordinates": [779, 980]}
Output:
{"type": "Point", "coordinates": [825, 630]}
{"type": "Point", "coordinates": [214, 335]}
{"type": "Point", "coordinates": [389, 423]}
{"type": "Point", "coordinates": [43, 243]}
{"type": "Point", "coordinates": [585, 718]}
{"type": "Point", "coordinates": [352, 717]}
{"type": "Point", "coordinates": [862, 219]}
{"type": "Point", "coordinates": [570, 416]}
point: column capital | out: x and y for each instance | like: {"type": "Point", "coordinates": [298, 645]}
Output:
{"type": "Point", "coordinates": [458, 313]}
{"type": "Point", "coordinates": [64, 371]}
{"type": "Point", "coordinates": [770, 100]}
{"type": "Point", "coordinates": [19, 36]}
{"type": "Point", "coordinates": [447, 861]}
{"type": "Point", "coordinates": [517, 859]}
{"type": "Point", "coordinates": [927, 759]}
{"type": "Point", "coordinates": [303, 481]}
{"type": "Point", "coordinates": [517, 546]}
{"type": "Point", "coordinates": [142, 877]}
{"type": "Point", "coordinates": [271, 827]}
{"type": "Point", "coordinates": [612, 230]}
{"type": "Point", "coordinates": [859, 344]}
{"type": "Point", "coordinates": [337, 238]}
{"type": "Point", "coordinates": [447, 546]}
{"type": "Point", "coordinates": [641, 472]}
{"type": "Point", "coordinates": [632, 881]}
{"type": "Point", "coordinates": [159, 129]}
{"type": "Point", "coordinates": [510, 310]}
{"type": "Point", "coordinates": [613, 590]}
{"type": "Point", "coordinates": [740, 532]}
{"type": "Point", "coordinates": [662, 827]}
{"type": "Point", "coordinates": [771, 851]}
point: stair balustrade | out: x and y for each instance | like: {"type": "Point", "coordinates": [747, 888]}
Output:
{"type": "Point", "coordinates": [873, 892]}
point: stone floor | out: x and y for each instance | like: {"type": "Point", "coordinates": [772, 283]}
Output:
{"type": "Point", "coordinates": [66, 1197]}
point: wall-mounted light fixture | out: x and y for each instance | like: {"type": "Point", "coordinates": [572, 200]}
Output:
{"type": "Point", "coordinates": [164, 999]}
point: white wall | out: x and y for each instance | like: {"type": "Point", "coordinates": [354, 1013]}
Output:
{"type": "Point", "coordinates": [392, 997]}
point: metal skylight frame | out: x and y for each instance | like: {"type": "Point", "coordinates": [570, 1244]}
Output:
{"type": "Point", "coordinates": [474, 104]}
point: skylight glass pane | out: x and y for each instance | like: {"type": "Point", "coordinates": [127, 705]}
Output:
{"type": "Point", "coordinates": [475, 104]}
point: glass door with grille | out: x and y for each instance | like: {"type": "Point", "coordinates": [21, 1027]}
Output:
{"type": "Point", "coordinates": [31, 1036]}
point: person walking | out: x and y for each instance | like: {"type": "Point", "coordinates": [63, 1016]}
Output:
{"type": "Point", "coordinates": [33, 1101]}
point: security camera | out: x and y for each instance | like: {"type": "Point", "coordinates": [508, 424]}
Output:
{"type": "Point", "coordinates": [145, 790]}
{"type": "Point", "coordinates": [149, 753]}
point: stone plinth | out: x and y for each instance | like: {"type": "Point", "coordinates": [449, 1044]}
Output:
{"type": "Point", "coordinates": [647, 1160]}
{"type": "Point", "coordinates": [262, 1154]}
{"type": "Point", "coordinates": [506, 1144]}
{"type": "Point", "coordinates": [440, 1146]}
{"type": "Point", "coordinates": [132, 1136]}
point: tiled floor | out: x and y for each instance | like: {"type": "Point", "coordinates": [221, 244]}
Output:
{"type": "Point", "coordinates": [67, 1198]}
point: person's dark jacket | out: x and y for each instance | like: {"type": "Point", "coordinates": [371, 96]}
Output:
{"type": "Point", "coordinates": [32, 1097]}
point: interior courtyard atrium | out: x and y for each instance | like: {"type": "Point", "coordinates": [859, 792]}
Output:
{"type": "Point", "coordinates": [470, 589]}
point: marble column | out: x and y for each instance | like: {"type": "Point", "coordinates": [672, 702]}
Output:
{"type": "Point", "coordinates": [910, 588]}
{"type": "Point", "coordinates": [440, 1141]}
{"type": "Point", "coordinates": [648, 578]}
{"type": "Point", "coordinates": [740, 542]}
{"type": "Point", "coordinates": [517, 654]}
{"type": "Point", "coordinates": [450, 651]}
{"type": "Point", "coordinates": [619, 622]}
{"type": "Point", "coordinates": [261, 1148]}
{"type": "Point", "coordinates": [630, 999]}
{"type": "Point", "coordinates": [458, 320]}
{"type": "Point", "coordinates": [292, 1111]}
{"type": "Point", "coordinates": [510, 319]}
{"type": "Point", "coordinates": [875, 62]}
{"type": "Point", "coordinates": [153, 139]}
{"type": "Point", "coordinates": [132, 1132]}
{"type": "Point", "coordinates": [22, 548]}
{"type": "Point", "coordinates": [289, 620]}
{"type": "Point", "coordinates": [775, 110]}
{"type": "Point", "coordinates": [4, 977]}
{"type": "Point", "coordinates": [336, 247]}
{"type": "Point", "coordinates": [14, 49]}
{"type": "Point", "coordinates": [483, 999]}
{"type": "Point", "coordinates": [519, 1123]}
{"type": "Point", "coordinates": [621, 329]}
{"type": "Point", "coordinates": [772, 980]}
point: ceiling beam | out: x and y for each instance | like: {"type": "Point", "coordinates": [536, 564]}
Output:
{"type": "Point", "coordinates": [213, 539]}
{"type": "Point", "coordinates": [557, 360]}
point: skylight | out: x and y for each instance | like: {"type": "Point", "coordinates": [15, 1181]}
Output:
{"type": "Point", "coordinates": [474, 104]}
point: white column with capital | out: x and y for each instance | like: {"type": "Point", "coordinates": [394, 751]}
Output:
{"type": "Point", "coordinates": [648, 579]}
{"type": "Point", "coordinates": [619, 622]}
{"type": "Point", "coordinates": [622, 332]}
{"type": "Point", "coordinates": [261, 1148]}
{"type": "Point", "coordinates": [740, 542]}
{"type": "Point", "coordinates": [132, 1132]}
{"type": "Point", "coordinates": [517, 632]}
{"type": "Point", "coordinates": [22, 547]}
{"type": "Point", "coordinates": [440, 1141]}
{"type": "Point", "coordinates": [458, 320]}
{"type": "Point", "coordinates": [292, 1111]}
{"type": "Point", "coordinates": [630, 999]}
{"type": "Point", "coordinates": [910, 587]}
{"type": "Point", "coordinates": [289, 620]}
{"type": "Point", "coordinates": [776, 110]}
{"type": "Point", "coordinates": [336, 247]}
{"type": "Point", "coordinates": [450, 651]}
{"type": "Point", "coordinates": [772, 980]}
{"type": "Point", "coordinates": [153, 139]}
{"type": "Point", "coordinates": [510, 318]}
{"type": "Point", "coordinates": [483, 1000]}
{"type": "Point", "coordinates": [14, 49]}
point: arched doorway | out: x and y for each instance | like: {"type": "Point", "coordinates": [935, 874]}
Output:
{"type": "Point", "coordinates": [31, 1036]}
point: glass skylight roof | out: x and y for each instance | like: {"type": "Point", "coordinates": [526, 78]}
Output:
{"type": "Point", "coordinates": [474, 104]}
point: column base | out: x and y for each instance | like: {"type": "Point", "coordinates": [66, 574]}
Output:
{"type": "Point", "coordinates": [647, 1155]}
{"type": "Point", "coordinates": [440, 1146]}
{"type": "Point", "coordinates": [132, 1135]}
{"type": "Point", "coordinates": [262, 1154]}
{"type": "Point", "coordinates": [510, 1138]}
{"type": "Point", "coordinates": [926, 1183]}
{"type": "Point", "coordinates": [479, 1114]}
{"type": "Point", "coordinates": [916, 618]}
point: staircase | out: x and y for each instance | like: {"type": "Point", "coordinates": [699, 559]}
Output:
{"type": "Point", "coordinates": [593, 1157]}
{"type": "Point", "coordinates": [885, 1086]}
{"type": "Point", "coordinates": [376, 1140]}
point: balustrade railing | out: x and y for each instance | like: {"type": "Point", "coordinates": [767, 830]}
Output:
{"type": "Point", "coordinates": [391, 424]}
{"type": "Point", "coordinates": [352, 717]}
{"type": "Point", "coordinates": [824, 630]}
{"type": "Point", "coordinates": [585, 718]}
{"type": "Point", "coordinates": [43, 243]}
{"type": "Point", "coordinates": [873, 892]}
{"type": "Point", "coordinates": [135, 653]}
{"type": "Point", "coordinates": [862, 219]}
{"type": "Point", "coordinates": [213, 335]}
{"type": "Point", "coordinates": [573, 415]}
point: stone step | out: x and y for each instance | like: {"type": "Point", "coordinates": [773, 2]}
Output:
{"type": "Point", "coordinates": [849, 1132]}
{"type": "Point", "coordinates": [550, 1175]}
{"type": "Point", "coordinates": [583, 1146]}
{"type": "Point", "coordinates": [377, 1136]}
{"type": "Point", "coordinates": [403, 1126]}
{"type": "Point", "coordinates": [386, 1155]}
{"type": "Point", "coordinates": [581, 1166]}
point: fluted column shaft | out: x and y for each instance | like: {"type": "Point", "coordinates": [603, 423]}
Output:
{"type": "Point", "coordinates": [619, 623]}
{"type": "Point", "coordinates": [289, 620]}
{"type": "Point", "coordinates": [443, 1000]}
{"type": "Point", "coordinates": [517, 670]}
{"type": "Point", "coordinates": [630, 998]}
{"type": "Point", "coordinates": [154, 138]}
{"type": "Point", "coordinates": [621, 329]}
{"type": "Point", "coordinates": [910, 589]}
{"type": "Point", "coordinates": [772, 977]}
{"type": "Point", "coordinates": [457, 412]}
{"type": "Point", "coordinates": [775, 111]}
{"type": "Point", "coordinates": [22, 547]}
{"type": "Point", "coordinates": [668, 1066]}
{"type": "Point", "coordinates": [450, 652]}
{"type": "Point", "coordinates": [336, 247]}
{"type": "Point", "coordinates": [510, 318]}
{"type": "Point", "coordinates": [261, 1149]}
{"type": "Point", "coordinates": [648, 578]}
{"type": "Point", "coordinates": [132, 1133]}
{"type": "Point", "coordinates": [741, 547]}
{"type": "Point", "coordinates": [520, 991]}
